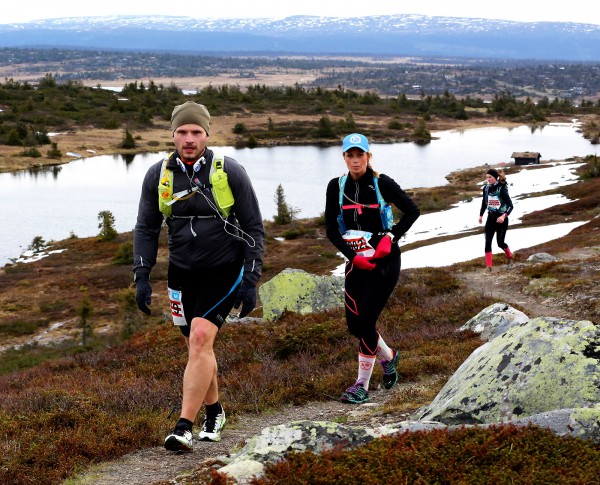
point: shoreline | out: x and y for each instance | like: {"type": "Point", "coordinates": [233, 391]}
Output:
{"type": "Point", "coordinates": [91, 142]}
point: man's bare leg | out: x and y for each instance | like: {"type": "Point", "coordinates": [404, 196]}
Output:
{"type": "Point", "coordinates": [200, 376]}
{"type": "Point", "coordinates": [212, 394]}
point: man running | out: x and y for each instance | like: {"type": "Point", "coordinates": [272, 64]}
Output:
{"type": "Point", "coordinates": [216, 238]}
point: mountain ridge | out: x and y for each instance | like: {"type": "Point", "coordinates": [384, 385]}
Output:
{"type": "Point", "coordinates": [393, 35]}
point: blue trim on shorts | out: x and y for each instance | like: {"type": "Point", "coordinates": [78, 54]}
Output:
{"type": "Point", "coordinates": [235, 285]}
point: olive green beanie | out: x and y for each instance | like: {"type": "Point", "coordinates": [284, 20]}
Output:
{"type": "Point", "coordinates": [190, 113]}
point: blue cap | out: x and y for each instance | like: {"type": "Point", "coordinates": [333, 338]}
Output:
{"type": "Point", "coordinates": [355, 140]}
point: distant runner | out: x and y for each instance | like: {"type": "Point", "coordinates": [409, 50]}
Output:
{"type": "Point", "coordinates": [498, 204]}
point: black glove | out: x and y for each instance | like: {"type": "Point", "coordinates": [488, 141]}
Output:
{"type": "Point", "coordinates": [143, 292]}
{"type": "Point", "coordinates": [246, 296]}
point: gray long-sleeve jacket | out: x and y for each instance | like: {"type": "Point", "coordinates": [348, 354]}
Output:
{"type": "Point", "coordinates": [198, 237]}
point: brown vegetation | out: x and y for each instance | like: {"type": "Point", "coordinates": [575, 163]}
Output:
{"type": "Point", "coordinates": [113, 396]}
{"type": "Point", "coordinates": [497, 455]}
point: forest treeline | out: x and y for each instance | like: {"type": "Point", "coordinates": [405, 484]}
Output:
{"type": "Point", "coordinates": [30, 111]}
{"type": "Point", "coordinates": [388, 77]}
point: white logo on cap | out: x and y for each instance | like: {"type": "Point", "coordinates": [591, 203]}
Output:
{"type": "Point", "coordinates": [355, 139]}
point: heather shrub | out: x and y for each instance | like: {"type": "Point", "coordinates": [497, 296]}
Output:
{"type": "Point", "coordinates": [136, 384]}
{"type": "Point", "coordinates": [499, 454]}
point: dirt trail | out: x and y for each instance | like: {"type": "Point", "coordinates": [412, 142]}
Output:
{"type": "Point", "coordinates": [157, 466]}
{"type": "Point", "coordinates": [505, 284]}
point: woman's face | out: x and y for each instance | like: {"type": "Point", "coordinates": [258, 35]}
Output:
{"type": "Point", "coordinates": [490, 179]}
{"type": "Point", "coordinates": [356, 161]}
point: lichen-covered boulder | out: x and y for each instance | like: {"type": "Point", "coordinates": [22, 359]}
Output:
{"type": "Point", "coordinates": [494, 320]}
{"type": "Point", "coordinates": [297, 291]}
{"type": "Point", "coordinates": [274, 443]}
{"type": "Point", "coordinates": [582, 423]}
{"type": "Point", "coordinates": [541, 365]}
{"type": "Point", "coordinates": [542, 258]}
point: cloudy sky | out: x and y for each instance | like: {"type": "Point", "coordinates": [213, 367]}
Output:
{"type": "Point", "coordinates": [584, 11]}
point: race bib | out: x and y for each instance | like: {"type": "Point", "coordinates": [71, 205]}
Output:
{"type": "Point", "coordinates": [176, 304]}
{"type": "Point", "coordinates": [493, 202]}
{"type": "Point", "coordinates": [359, 242]}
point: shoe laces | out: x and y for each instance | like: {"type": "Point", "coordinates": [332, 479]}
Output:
{"type": "Point", "coordinates": [210, 423]}
{"type": "Point", "coordinates": [388, 366]}
{"type": "Point", "coordinates": [355, 388]}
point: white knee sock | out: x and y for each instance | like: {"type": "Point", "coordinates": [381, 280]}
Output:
{"type": "Point", "coordinates": [383, 351]}
{"type": "Point", "coordinates": [365, 369]}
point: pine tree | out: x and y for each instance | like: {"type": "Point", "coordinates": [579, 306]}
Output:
{"type": "Point", "coordinates": [284, 215]}
{"type": "Point", "coordinates": [128, 141]}
{"type": "Point", "coordinates": [107, 226]}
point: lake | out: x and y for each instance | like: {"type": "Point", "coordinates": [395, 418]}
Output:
{"type": "Point", "coordinates": [56, 202]}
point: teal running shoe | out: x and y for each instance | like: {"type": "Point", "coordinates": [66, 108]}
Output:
{"type": "Point", "coordinates": [390, 374]}
{"type": "Point", "coordinates": [355, 394]}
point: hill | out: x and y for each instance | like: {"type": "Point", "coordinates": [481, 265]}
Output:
{"type": "Point", "coordinates": [393, 35]}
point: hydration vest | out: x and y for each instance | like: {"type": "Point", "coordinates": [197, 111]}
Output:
{"type": "Point", "coordinates": [385, 209]}
{"type": "Point", "coordinates": [493, 202]}
{"type": "Point", "coordinates": [219, 187]}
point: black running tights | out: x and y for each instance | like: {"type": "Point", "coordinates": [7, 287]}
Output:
{"type": "Point", "coordinates": [492, 227]}
{"type": "Point", "coordinates": [366, 293]}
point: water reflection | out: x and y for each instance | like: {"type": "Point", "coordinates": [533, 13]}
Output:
{"type": "Point", "coordinates": [128, 158]}
{"type": "Point", "coordinates": [35, 172]}
{"type": "Point", "coordinates": [56, 201]}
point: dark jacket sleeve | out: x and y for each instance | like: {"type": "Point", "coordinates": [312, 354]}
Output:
{"type": "Point", "coordinates": [148, 224]}
{"type": "Point", "coordinates": [506, 200]}
{"type": "Point", "coordinates": [393, 193]}
{"type": "Point", "coordinates": [248, 215]}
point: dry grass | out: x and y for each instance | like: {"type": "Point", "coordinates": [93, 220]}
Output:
{"type": "Point", "coordinates": [101, 403]}
{"type": "Point", "coordinates": [498, 455]}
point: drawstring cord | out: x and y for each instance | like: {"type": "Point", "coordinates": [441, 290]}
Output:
{"type": "Point", "coordinates": [227, 223]}
{"type": "Point", "coordinates": [196, 188]}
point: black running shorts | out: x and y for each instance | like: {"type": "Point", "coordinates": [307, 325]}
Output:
{"type": "Point", "coordinates": [208, 293]}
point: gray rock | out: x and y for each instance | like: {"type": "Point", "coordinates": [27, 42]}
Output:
{"type": "Point", "coordinates": [542, 258]}
{"type": "Point", "coordinates": [541, 365]}
{"type": "Point", "coordinates": [297, 291]}
{"type": "Point", "coordinates": [495, 320]}
{"type": "Point", "coordinates": [583, 423]}
{"type": "Point", "coordinates": [274, 443]}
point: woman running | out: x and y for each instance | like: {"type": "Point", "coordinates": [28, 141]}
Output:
{"type": "Point", "coordinates": [360, 224]}
{"type": "Point", "coordinates": [498, 204]}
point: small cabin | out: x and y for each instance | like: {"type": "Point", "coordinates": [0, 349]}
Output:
{"type": "Point", "coordinates": [526, 158]}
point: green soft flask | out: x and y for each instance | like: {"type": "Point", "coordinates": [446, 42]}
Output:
{"type": "Point", "coordinates": [221, 190]}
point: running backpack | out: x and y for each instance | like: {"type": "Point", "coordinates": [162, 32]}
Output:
{"type": "Point", "coordinates": [498, 206]}
{"type": "Point", "coordinates": [385, 209]}
{"type": "Point", "coordinates": [220, 188]}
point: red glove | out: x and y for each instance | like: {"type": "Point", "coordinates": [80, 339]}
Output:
{"type": "Point", "coordinates": [363, 263]}
{"type": "Point", "coordinates": [383, 248]}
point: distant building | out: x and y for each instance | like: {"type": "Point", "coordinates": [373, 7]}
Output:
{"type": "Point", "coordinates": [526, 158]}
